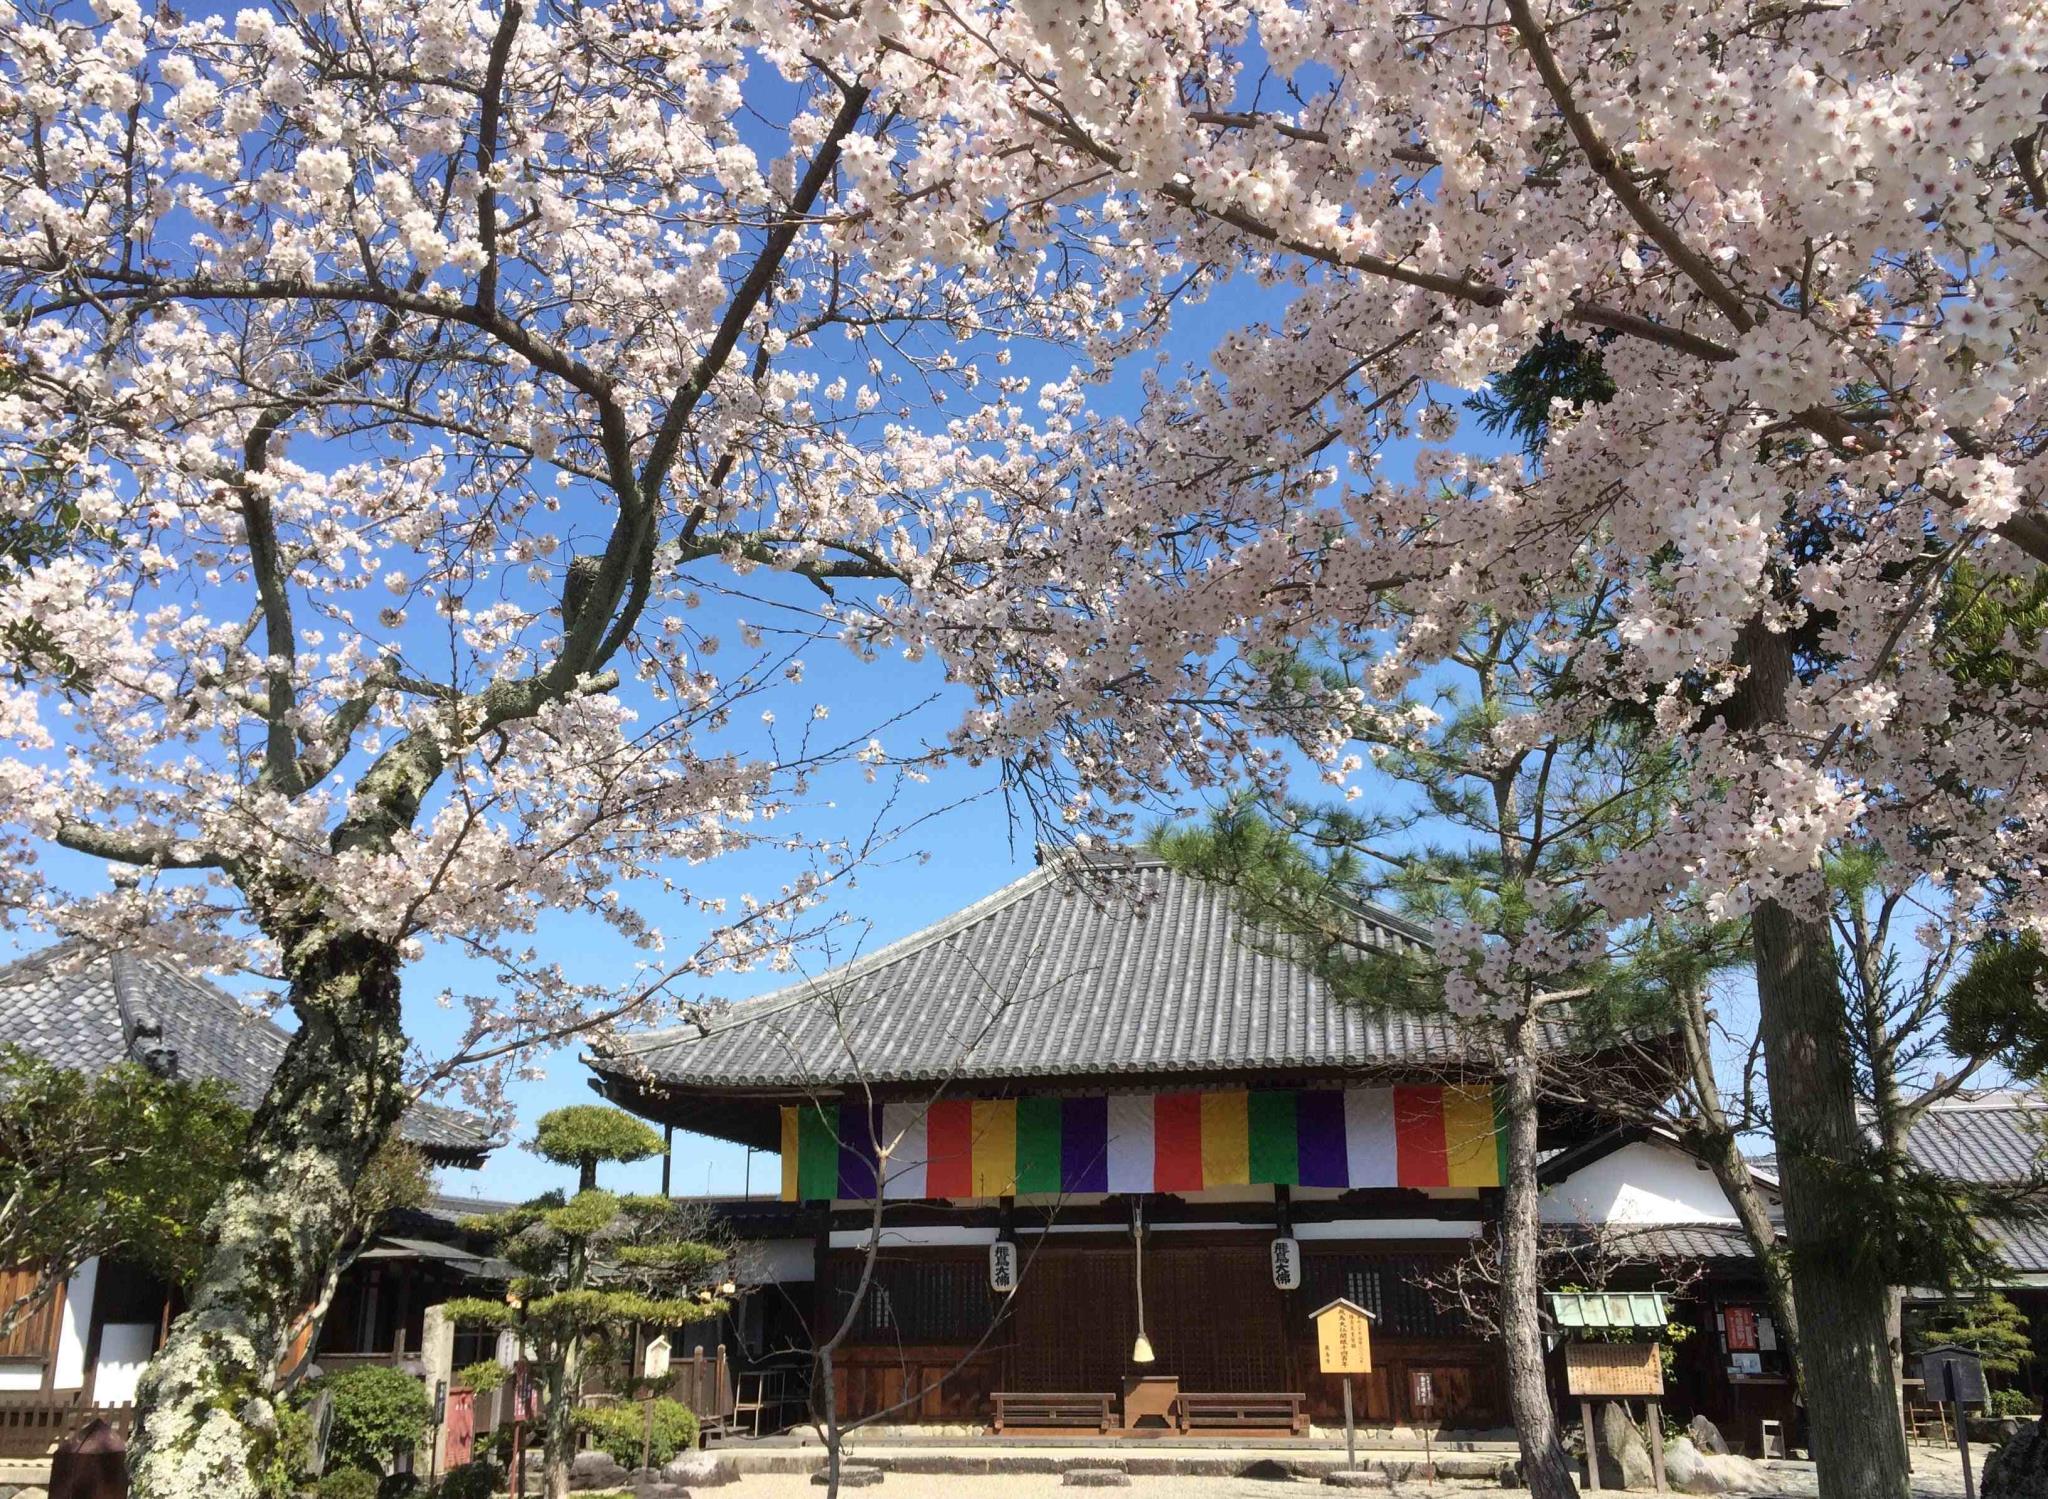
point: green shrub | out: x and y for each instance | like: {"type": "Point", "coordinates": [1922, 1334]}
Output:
{"type": "Point", "coordinates": [620, 1429]}
{"type": "Point", "coordinates": [2010, 1403]}
{"type": "Point", "coordinates": [483, 1376]}
{"type": "Point", "coordinates": [475, 1480]}
{"type": "Point", "coordinates": [348, 1483]}
{"type": "Point", "coordinates": [276, 1473]}
{"type": "Point", "coordinates": [377, 1410]}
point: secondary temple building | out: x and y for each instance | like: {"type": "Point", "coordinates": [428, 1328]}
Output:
{"type": "Point", "coordinates": [1097, 1117]}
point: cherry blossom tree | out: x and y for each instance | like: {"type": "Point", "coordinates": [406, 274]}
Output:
{"type": "Point", "coordinates": [385, 381]}
{"type": "Point", "coordinates": [387, 388]}
{"type": "Point", "coordinates": [1804, 245]}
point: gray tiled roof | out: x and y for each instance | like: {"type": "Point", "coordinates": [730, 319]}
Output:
{"type": "Point", "coordinates": [1113, 965]}
{"type": "Point", "coordinates": [1995, 1137]}
{"type": "Point", "coordinates": [90, 1009]}
{"type": "Point", "coordinates": [1682, 1241]}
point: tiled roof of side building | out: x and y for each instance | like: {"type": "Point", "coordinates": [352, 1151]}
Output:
{"type": "Point", "coordinates": [90, 1009]}
{"type": "Point", "coordinates": [1112, 964]}
{"type": "Point", "coordinates": [1998, 1137]}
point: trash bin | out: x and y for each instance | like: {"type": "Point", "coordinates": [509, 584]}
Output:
{"type": "Point", "coordinates": [90, 1465]}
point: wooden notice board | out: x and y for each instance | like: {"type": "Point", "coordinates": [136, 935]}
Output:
{"type": "Point", "coordinates": [1619, 1370]}
{"type": "Point", "coordinates": [1344, 1338]}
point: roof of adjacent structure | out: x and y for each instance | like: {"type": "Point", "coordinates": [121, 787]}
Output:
{"type": "Point", "coordinates": [1681, 1241]}
{"type": "Point", "coordinates": [90, 1009]}
{"type": "Point", "coordinates": [1107, 965]}
{"type": "Point", "coordinates": [1997, 1137]}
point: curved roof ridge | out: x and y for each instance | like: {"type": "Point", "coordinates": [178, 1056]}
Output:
{"type": "Point", "coordinates": [1151, 971]}
{"type": "Point", "coordinates": [776, 1001]}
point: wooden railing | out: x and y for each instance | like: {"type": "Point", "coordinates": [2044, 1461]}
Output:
{"type": "Point", "coordinates": [32, 1426]}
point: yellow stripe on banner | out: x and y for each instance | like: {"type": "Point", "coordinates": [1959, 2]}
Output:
{"type": "Point", "coordinates": [789, 1154]}
{"type": "Point", "coordinates": [1226, 1141]}
{"type": "Point", "coordinates": [1469, 1151]}
{"type": "Point", "coordinates": [995, 1147]}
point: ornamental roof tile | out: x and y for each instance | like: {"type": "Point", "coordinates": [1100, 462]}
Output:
{"type": "Point", "coordinates": [90, 1009]}
{"type": "Point", "coordinates": [1105, 965]}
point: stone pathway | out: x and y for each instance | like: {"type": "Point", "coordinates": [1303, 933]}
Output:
{"type": "Point", "coordinates": [1937, 1475]}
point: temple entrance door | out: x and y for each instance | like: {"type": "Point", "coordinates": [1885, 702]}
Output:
{"type": "Point", "coordinates": [1211, 1310]}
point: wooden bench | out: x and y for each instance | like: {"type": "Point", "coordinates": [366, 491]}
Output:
{"type": "Point", "coordinates": [1270, 1414]}
{"type": "Point", "coordinates": [1062, 1412]}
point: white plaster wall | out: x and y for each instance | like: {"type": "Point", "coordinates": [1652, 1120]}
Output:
{"type": "Point", "coordinates": [1647, 1182]}
{"type": "Point", "coordinates": [125, 1348]}
{"type": "Point", "coordinates": [19, 1375]}
{"type": "Point", "coordinates": [69, 1372]}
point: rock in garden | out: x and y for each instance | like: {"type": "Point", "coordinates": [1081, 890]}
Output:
{"type": "Point", "coordinates": [1691, 1471]}
{"type": "Point", "coordinates": [1358, 1478]}
{"type": "Point", "coordinates": [1624, 1450]}
{"type": "Point", "coordinates": [1096, 1478]}
{"type": "Point", "coordinates": [595, 1470]}
{"type": "Point", "coordinates": [1707, 1436]}
{"type": "Point", "coordinates": [851, 1476]}
{"type": "Point", "coordinates": [2019, 1469]}
{"type": "Point", "coordinates": [703, 1470]}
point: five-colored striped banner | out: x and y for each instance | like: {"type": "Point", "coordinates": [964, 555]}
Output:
{"type": "Point", "coordinates": [1145, 1142]}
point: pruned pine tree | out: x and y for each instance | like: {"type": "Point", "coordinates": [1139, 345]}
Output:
{"type": "Point", "coordinates": [1516, 796]}
{"type": "Point", "coordinates": [595, 1263]}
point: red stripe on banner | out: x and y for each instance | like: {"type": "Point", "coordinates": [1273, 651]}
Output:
{"type": "Point", "coordinates": [1177, 1142]}
{"type": "Point", "coordinates": [1419, 1137]}
{"type": "Point", "coordinates": [949, 1148]}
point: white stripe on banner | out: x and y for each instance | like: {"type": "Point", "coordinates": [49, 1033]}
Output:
{"type": "Point", "coordinates": [1369, 1137]}
{"type": "Point", "coordinates": [1130, 1142]}
{"type": "Point", "coordinates": [905, 1177]}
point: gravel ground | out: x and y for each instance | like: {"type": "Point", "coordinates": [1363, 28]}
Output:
{"type": "Point", "coordinates": [1937, 1475]}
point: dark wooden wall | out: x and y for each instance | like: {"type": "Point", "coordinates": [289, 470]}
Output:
{"type": "Point", "coordinates": [934, 1340]}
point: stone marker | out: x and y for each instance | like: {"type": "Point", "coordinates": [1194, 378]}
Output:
{"type": "Point", "coordinates": [1624, 1451]}
{"type": "Point", "coordinates": [851, 1476]}
{"type": "Point", "coordinates": [91, 1465]}
{"type": "Point", "coordinates": [1707, 1436]}
{"type": "Point", "coordinates": [1359, 1478]}
{"type": "Point", "coordinates": [1095, 1478]}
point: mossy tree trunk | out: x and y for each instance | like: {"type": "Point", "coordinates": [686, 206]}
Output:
{"type": "Point", "coordinates": [205, 1402]}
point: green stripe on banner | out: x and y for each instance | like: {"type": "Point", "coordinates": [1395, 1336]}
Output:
{"type": "Point", "coordinates": [1500, 1132]}
{"type": "Point", "coordinates": [817, 1155]}
{"type": "Point", "coordinates": [1038, 1145]}
{"type": "Point", "coordinates": [1275, 1152]}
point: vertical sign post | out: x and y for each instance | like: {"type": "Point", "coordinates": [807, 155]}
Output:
{"type": "Point", "coordinates": [1344, 1346]}
{"type": "Point", "coordinates": [1955, 1376]}
{"type": "Point", "coordinates": [1955, 1406]}
{"type": "Point", "coordinates": [1422, 1395]}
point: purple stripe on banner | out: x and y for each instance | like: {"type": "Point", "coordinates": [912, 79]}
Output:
{"type": "Point", "coordinates": [858, 1123]}
{"type": "Point", "coordinates": [1319, 1128]}
{"type": "Point", "coordinates": [1084, 1145]}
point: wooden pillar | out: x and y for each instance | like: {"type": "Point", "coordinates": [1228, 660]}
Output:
{"type": "Point", "coordinates": [1656, 1425]}
{"type": "Point", "coordinates": [821, 1269]}
{"type": "Point", "coordinates": [1592, 1447]}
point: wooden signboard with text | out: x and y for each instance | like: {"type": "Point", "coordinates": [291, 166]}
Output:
{"type": "Point", "coordinates": [1344, 1338]}
{"type": "Point", "coordinates": [1617, 1371]}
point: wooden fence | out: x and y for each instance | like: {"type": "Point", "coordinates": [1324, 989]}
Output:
{"type": "Point", "coordinates": [33, 1427]}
